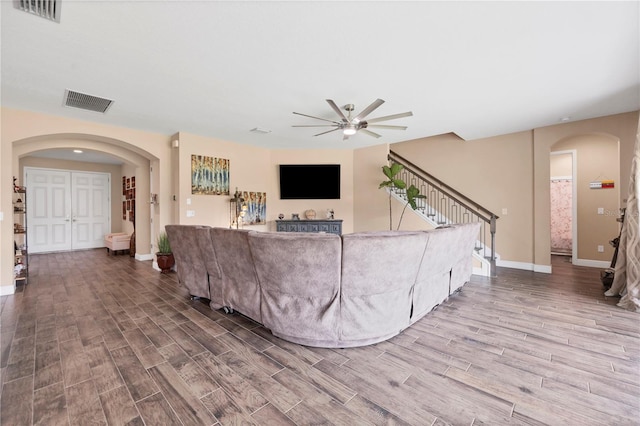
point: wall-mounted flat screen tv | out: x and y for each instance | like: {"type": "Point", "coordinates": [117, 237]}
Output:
{"type": "Point", "coordinates": [309, 181]}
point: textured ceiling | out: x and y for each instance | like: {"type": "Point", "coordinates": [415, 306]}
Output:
{"type": "Point", "coordinates": [220, 69]}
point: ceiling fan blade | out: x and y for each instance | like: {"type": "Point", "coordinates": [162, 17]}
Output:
{"type": "Point", "coordinates": [390, 117]}
{"type": "Point", "coordinates": [317, 118]}
{"type": "Point", "coordinates": [386, 126]}
{"type": "Point", "coordinates": [368, 110]}
{"type": "Point", "coordinates": [370, 133]}
{"type": "Point", "coordinates": [315, 125]}
{"type": "Point", "coordinates": [328, 131]}
{"type": "Point", "coordinates": [337, 110]}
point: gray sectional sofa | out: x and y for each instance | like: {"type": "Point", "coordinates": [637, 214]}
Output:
{"type": "Point", "coordinates": [325, 290]}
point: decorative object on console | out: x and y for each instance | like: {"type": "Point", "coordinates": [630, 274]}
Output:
{"type": "Point", "coordinates": [209, 175]}
{"type": "Point", "coordinates": [280, 216]}
{"type": "Point", "coordinates": [164, 254]}
{"type": "Point", "coordinates": [310, 214]}
{"type": "Point", "coordinates": [295, 216]}
{"type": "Point", "coordinates": [330, 214]}
{"type": "Point", "coordinates": [237, 210]}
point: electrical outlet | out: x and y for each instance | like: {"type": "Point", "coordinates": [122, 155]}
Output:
{"type": "Point", "coordinates": [600, 210]}
{"type": "Point", "coordinates": [505, 211]}
{"type": "Point", "coordinates": [600, 249]}
{"type": "Point", "coordinates": [191, 213]}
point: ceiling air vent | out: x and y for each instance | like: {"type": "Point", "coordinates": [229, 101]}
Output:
{"type": "Point", "coordinates": [84, 101]}
{"type": "Point", "coordinates": [48, 9]}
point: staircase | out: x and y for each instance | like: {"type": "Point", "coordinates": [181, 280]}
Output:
{"type": "Point", "coordinates": [444, 205]}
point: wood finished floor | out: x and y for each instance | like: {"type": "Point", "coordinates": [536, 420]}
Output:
{"type": "Point", "coordinates": [97, 339]}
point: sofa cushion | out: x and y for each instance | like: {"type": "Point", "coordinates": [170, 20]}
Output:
{"type": "Point", "coordinates": [190, 266]}
{"type": "Point", "coordinates": [299, 275]}
{"type": "Point", "coordinates": [205, 246]}
{"type": "Point", "coordinates": [379, 270]}
{"type": "Point", "coordinates": [240, 289]}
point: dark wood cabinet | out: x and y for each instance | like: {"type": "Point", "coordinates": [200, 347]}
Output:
{"type": "Point", "coordinates": [329, 226]}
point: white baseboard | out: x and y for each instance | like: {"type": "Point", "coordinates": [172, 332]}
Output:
{"type": "Point", "coordinates": [592, 263]}
{"type": "Point", "coordinates": [483, 272]}
{"type": "Point", "coordinates": [526, 266]}
{"type": "Point", "coordinates": [147, 256]}
{"type": "Point", "coordinates": [6, 290]}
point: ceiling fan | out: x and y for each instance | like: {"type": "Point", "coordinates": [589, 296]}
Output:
{"type": "Point", "coordinates": [350, 126]}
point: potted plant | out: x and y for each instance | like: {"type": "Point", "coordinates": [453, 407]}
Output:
{"type": "Point", "coordinates": [164, 255]}
{"type": "Point", "coordinates": [412, 193]}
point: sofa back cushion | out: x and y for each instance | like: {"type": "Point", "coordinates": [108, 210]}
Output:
{"type": "Point", "coordinates": [379, 270]}
{"type": "Point", "coordinates": [192, 272]}
{"type": "Point", "coordinates": [240, 289]}
{"type": "Point", "coordinates": [468, 235]}
{"type": "Point", "coordinates": [299, 275]}
{"type": "Point", "coordinates": [207, 251]}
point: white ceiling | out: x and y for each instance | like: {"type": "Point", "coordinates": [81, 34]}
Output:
{"type": "Point", "coordinates": [220, 69]}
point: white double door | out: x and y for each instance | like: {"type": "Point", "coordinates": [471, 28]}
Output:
{"type": "Point", "coordinates": [66, 210]}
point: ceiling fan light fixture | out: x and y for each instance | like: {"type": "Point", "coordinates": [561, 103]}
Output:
{"type": "Point", "coordinates": [349, 130]}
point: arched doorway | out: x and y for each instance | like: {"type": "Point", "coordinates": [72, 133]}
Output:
{"type": "Point", "coordinates": [132, 161]}
{"type": "Point", "coordinates": [595, 158]}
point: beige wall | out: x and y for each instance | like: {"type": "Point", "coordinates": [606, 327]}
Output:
{"type": "Point", "coordinates": [596, 159]}
{"type": "Point", "coordinates": [504, 172]}
{"type": "Point", "coordinates": [495, 172]}
{"type": "Point", "coordinates": [561, 165]}
{"type": "Point", "coordinates": [343, 208]}
{"type": "Point", "coordinates": [23, 132]}
{"type": "Point", "coordinates": [512, 172]}
{"type": "Point", "coordinates": [621, 126]}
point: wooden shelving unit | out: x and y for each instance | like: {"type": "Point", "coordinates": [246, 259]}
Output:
{"type": "Point", "coordinates": [21, 252]}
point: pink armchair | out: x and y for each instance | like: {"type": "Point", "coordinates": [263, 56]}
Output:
{"type": "Point", "coordinates": [117, 241]}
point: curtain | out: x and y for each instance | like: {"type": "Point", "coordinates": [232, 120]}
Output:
{"type": "Point", "coordinates": [626, 280]}
{"type": "Point", "coordinates": [561, 215]}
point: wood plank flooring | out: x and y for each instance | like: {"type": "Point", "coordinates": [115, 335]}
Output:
{"type": "Point", "coordinates": [98, 339]}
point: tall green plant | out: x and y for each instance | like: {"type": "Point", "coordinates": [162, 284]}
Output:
{"type": "Point", "coordinates": [412, 193]}
{"type": "Point", "coordinates": [391, 183]}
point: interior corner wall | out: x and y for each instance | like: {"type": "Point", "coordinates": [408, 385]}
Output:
{"type": "Point", "coordinates": [495, 172]}
{"type": "Point", "coordinates": [620, 126]}
{"type": "Point", "coordinates": [597, 159]}
{"type": "Point", "coordinates": [370, 204]}
{"type": "Point", "coordinates": [343, 208]}
{"type": "Point", "coordinates": [248, 166]}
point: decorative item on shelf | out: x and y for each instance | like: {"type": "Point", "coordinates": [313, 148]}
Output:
{"type": "Point", "coordinates": [329, 213]}
{"type": "Point", "coordinates": [164, 254]}
{"type": "Point", "coordinates": [280, 216]}
{"type": "Point", "coordinates": [310, 214]}
{"type": "Point", "coordinates": [237, 210]}
{"type": "Point", "coordinates": [295, 216]}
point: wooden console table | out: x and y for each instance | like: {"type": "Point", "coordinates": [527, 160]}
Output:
{"type": "Point", "coordinates": [330, 226]}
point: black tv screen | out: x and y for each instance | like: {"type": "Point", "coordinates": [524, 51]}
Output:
{"type": "Point", "coordinates": [309, 181]}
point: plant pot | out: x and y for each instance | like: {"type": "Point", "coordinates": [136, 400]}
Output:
{"type": "Point", "coordinates": [165, 262]}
